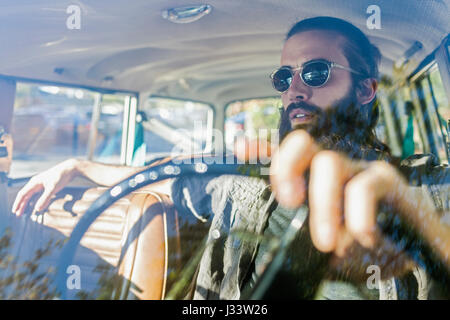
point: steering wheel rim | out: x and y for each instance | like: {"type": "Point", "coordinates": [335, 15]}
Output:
{"type": "Point", "coordinates": [168, 170]}
{"type": "Point", "coordinates": [390, 224]}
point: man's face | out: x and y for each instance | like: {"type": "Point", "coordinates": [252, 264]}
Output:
{"type": "Point", "coordinates": [303, 104]}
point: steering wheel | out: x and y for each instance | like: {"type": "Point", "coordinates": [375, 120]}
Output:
{"type": "Point", "coordinates": [391, 225]}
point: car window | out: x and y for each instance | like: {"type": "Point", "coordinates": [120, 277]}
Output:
{"type": "Point", "coordinates": [171, 127]}
{"type": "Point", "coordinates": [436, 110]}
{"type": "Point", "coordinates": [441, 102]}
{"type": "Point", "coordinates": [405, 121]}
{"type": "Point", "coordinates": [51, 124]}
{"type": "Point", "coordinates": [253, 118]}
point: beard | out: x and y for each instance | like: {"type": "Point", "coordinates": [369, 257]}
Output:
{"type": "Point", "coordinates": [347, 126]}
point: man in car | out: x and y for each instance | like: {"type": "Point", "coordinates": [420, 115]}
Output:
{"type": "Point", "coordinates": [329, 158]}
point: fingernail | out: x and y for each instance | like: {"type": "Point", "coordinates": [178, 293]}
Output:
{"type": "Point", "coordinates": [366, 240]}
{"type": "Point", "coordinates": [325, 237]}
{"type": "Point", "coordinates": [324, 231]}
{"type": "Point", "coordinates": [285, 193]}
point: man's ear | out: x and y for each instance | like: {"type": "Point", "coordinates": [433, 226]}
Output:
{"type": "Point", "coordinates": [366, 90]}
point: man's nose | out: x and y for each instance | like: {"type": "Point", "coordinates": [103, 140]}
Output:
{"type": "Point", "coordinates": [298, 91]}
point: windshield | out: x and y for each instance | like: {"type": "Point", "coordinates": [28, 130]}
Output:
{"type": "Point", "coordinates": [225, 150]}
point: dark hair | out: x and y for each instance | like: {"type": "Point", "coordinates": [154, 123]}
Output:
{"type": "Point", "coordinates": [362, 56]}
{"type": "Point", "coordinates": [360, 53]}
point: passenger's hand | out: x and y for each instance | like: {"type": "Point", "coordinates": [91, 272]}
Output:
{"type": "Point", "coordinates": [48, 182]}
{"type": "Point", "coordinates": [344, 195]}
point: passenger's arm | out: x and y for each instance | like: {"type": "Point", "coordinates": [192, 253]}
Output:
{"type": "Point", "coordinates": [100, 173]}
{"type": "Point", "coordinates": [56, 178]}
{"type": "Point", "coordinates": [109, 175]}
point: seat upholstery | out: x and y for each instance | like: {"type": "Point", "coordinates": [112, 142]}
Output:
{"type": "Point", "coordinates": [126, 245]}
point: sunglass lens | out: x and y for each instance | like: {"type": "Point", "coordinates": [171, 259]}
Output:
{"type": "Point", "coordinates": [282, 79]}
{"type": "Point", "coordinates": [315, 74]}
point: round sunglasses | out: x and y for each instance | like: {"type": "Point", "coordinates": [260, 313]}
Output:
{"type": "Point", "coordinates": [314, 73]}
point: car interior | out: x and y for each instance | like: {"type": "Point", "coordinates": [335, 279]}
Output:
{"type": "Point", "coordinates": [132, 83]}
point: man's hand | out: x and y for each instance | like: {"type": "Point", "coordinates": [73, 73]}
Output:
{"type": "Point", "coordinates": [344, 195]}
{"type": "Point", "coordinates": [48, 182]}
